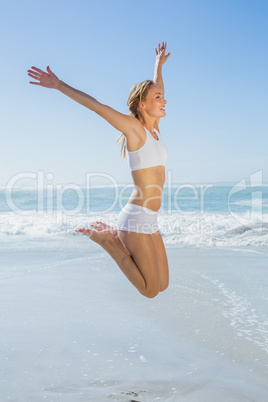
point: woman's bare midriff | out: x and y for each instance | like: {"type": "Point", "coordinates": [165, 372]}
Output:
{"type": "Point", "coordinates": [148, 187]}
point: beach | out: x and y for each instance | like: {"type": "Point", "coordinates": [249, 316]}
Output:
{"type": "Point", "coordinates": [74, 329]}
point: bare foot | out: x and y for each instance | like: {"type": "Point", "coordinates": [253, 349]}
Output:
{"type": "Point", "coordinates": [101, 226]}
{"type": "Point", "coordinates": [102, 233]}
{"type": "Point", "coordinates": [98, 237]}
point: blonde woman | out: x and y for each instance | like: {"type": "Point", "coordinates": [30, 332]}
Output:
{"type": "Point", "coordinates": [136, 245]}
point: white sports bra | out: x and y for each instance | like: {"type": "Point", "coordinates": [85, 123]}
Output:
{"type": "Point", "coordinates": [152, 153]}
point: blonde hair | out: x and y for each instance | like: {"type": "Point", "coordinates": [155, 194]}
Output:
{"type": "Point", "coordinates": [138, 93]}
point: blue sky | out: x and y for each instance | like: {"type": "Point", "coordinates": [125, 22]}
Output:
{"type": "Point", "coordinates": [216, 127]}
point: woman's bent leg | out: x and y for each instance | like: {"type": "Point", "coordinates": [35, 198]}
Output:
{"type": "Point", "coordinates": [162, 260]}
{"type": "Point", "coordinates": [144, 255]}
{"type": "Point", "coordinates": [141, 267]}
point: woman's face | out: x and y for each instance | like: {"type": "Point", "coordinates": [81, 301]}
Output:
{"type": "Point", "coordinates": [154, 104]}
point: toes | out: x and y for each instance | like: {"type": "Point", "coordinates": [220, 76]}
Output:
{"type": "Point", "coordinates": [100, 226]}
{"type": "Point", "coordinates": [87, 232]}
{"type": "Point", "coordinates": [97, 226]}
{"type": "Point", "coordinates": [93, 224]}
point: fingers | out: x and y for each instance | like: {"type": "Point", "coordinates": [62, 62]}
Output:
{"type": "Point", "coordinates": [161, 48]}
{"type": "Point", "coordinates": [38, 70]}
{"type": "Point", "coordinates": [49, 71]}
{"type": "Point", "coordinates": [33, 74]}
{"type": "Point", "coordinates": [36, 77]}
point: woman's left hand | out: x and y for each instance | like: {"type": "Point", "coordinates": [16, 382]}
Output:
{"type": "Point", "coordinates": [45, 79]}
{"type": "Point", "coordinates": [161, 56]}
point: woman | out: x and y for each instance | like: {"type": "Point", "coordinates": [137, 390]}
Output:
{"type": "Point", "coordinates": [136, 246]}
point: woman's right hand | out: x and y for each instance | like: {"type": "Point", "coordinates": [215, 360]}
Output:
{"type": "Point", "coordinates": [161, 56]}
{"type": "Point", "coordinates": [47, 80]}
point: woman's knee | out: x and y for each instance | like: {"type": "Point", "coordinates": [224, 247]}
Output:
{"type": "Point", "coordinates": [163, 286]}
{"type": "Point", "coordinates": [164, 282]}
{"type": "Point", "coordinates": [150, 294]}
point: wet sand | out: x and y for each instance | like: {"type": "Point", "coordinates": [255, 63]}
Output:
{"type": "Point", "coordinates": [74, 329]}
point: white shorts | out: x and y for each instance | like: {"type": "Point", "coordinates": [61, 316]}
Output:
{"type": "Point", "coordinates": [134, 218]}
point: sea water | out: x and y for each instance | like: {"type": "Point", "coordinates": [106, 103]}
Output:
{"type": "Point", "coordinates": [201, 215]}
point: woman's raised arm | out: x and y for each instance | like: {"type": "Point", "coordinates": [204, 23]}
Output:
{"type": "Point", "coordinates": [124, 123]}
{"type": "Point", "coordinates": [161, 58]}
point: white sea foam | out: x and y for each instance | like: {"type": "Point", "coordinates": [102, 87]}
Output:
{"type": "Point", "coordinates": [249, 323]}
{"type": "Point", "coordinates": [184, 229]}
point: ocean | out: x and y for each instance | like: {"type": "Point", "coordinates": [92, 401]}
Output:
{"type": "Point", "coordinates": [200, 215]}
